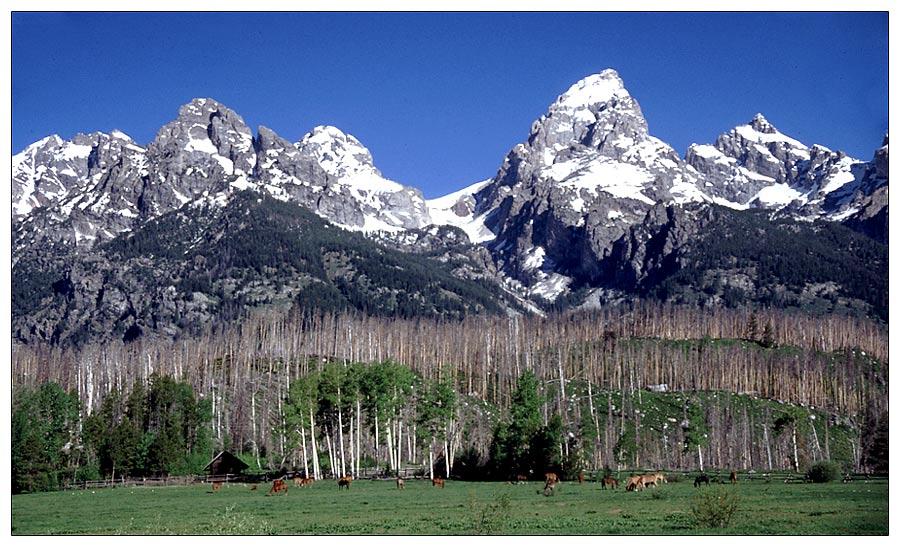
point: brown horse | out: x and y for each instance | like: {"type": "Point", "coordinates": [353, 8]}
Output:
{"type": "Point", "coordinates": [580, 478]}
{"type": "Point", "coordinates": [661, 478]}
{"type": "Point", "coordinates": [649, 480]}
{"type": "Point", "coordinates": [399, 483]}
{"type": "Point", "coordinates": [253, 487]}
{"type": "Point", "coordinates": [437, 481]}
{"type": "Point", "coordinates": [635, 482]}
{"type": "Point", "coordinates": [300, 483]}
{"type": "Point", "coordinates": [550, 487]}
{"type": "Point", "coordinates": [733, 477]}
{"type": "Point", "coordinates": [612, 482]}
{"type": "Point", "coordinates": [551, 477]}
{"type": "Point", "coordinates": [344, 481]}
{"type": "Point", "coordinates": [217, 485]}
{"type": "Point", "coordinates": [278, 486]}
{"type": "Point", "coordinates": [521, 478]}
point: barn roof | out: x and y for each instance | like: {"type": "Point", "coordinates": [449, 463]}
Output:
{"type": "Point", "coordinates": [226, 459]}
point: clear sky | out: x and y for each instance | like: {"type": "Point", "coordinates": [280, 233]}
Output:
{"type": "Point", "coordinates": [440, 98]}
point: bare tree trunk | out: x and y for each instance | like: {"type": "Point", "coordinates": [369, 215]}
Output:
{"type": "Point", "coordinates": [253, 422]}
{"type": "Point", "coordinates": [352, 446]}
{"type": "Point", "coordinates": [400, 444]}
{"type": "Point", "coordinates": [340, 438]}
{"type": "Point", "coordinates": [812, 426]}
{"type": "Point", "coordinates": [330, 454]}
{"type": "Point", "coordinates": [390, 447]}
{"type": "Point", "coordinates": [312, 438]}
{"type": "Point", "coordinates": [305, 458]}
{"type": "Point", "coordinates": [358, 434]}
{"type": "Point", "coordinates": [794, 443]}
{"type": "Point", "coordinates": [446, 458]}
{"type": "Point", "coordinates": [377, 442]}
{"type": "Point", "coordinates": [598, 456]}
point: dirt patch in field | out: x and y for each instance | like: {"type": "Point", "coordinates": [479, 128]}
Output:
{"type": "Point", "coordinates": [616, 511]}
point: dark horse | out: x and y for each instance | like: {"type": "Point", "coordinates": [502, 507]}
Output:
{"type": "Point", "coordinates": [702, 477]}
{"type": "Point", "coordinates": [612, 482]}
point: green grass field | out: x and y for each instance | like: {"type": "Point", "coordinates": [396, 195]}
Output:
{"type": "Point", "coordinates": [462, 508]}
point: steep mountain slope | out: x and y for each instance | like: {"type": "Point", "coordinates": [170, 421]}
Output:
{"type": "Point", "coordinates": [255, 252]}
{"type": "Point", "coordinates": [589, 209]}
{"type": "Point", "coordinates": [589, 172]}
{"type": "Point", "coordinates": [713, 255]}
{"type": "Point", "coordinates": [755, 165]}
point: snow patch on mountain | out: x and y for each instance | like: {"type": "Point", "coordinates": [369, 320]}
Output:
{"type": "Point", "coordinates": [458, 209]}
{"type": "Point", "coordinates": [386, 205]}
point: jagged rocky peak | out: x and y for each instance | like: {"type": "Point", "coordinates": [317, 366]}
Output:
{"type": "Point", "coordinates": [53, 170]}
{"type": "Point", "coordinates": [206, 127]}
{"type": "Point", "coordinates": [763, 149]}
{"type": "Point", "coordinates": [761, 124]}
{"type": "Point", "coordinates": [338, 153]}
{"type": "Point", "coordinates": [381, 204]}
{"type": "Point", "coordinates": [596, 112]}
{"type": "Point", "coordinates": [881, 160]}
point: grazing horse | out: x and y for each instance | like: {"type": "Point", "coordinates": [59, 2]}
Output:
{"type": "Point", "coordinates": [580, 478]}
{"type": "Point", "coordinates": [550, 487]}
{"type": "Point", "coordinates": [437, 481]}
{"type": "Point", "coordinates": [344, 481]}
{"type": "Point", "coordinates": [661, 478]}
{"type": "Point", "coordinates": [702, 477]}
{"type": "Point", "coordinates": [635, 482]}
{"type": "Point", "coordinates": [278, 486]}
{"type": "Point", "coordinates": [521, 478]}
{"type": "Point", "coordinates": [551, 477]}
{"type": "Point", "coordinates": [649, 480]}
{"type": "Point", "coordinates": [217, 485]}
{"type": "Point", "coordinates": [399, 483]}
{"type": "Point", "coordinates": [733, 477]}
{"type": "Point", "coordinates": [612, 482]}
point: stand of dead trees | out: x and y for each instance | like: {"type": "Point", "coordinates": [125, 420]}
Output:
{"type": "Point", "coordinates": [596, 369]}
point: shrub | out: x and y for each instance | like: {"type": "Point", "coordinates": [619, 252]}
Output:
{"type": "Point", "coordinates": [491, 518]}
{"type": "Point", "coordinates": [714, 508]}
{"type": "Point", "coordinates": [824, 471]}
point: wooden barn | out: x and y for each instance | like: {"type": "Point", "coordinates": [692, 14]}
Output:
{"type": "Point", "coordinates": [225, 463]}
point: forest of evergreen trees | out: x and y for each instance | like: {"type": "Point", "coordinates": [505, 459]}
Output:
{"type": "Point", "coordinates": [644, 386]}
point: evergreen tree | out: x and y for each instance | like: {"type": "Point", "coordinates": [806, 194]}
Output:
{"type": "Point", "coordinates": [522, 444]}
{"type": "Point", "coordinates": [43, 438]}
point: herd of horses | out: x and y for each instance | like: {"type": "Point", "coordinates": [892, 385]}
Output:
{"type": "Point", "coordinates": [632, 484]}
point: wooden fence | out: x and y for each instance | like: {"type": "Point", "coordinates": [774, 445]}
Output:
{"type": "Point", "coordinates": [419, 473]}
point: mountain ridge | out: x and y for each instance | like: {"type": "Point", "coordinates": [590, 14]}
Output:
{"type": "Point", "coordinates": [588, 179]}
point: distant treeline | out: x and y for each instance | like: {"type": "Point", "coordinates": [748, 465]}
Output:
{"type": "Point", "coordinates": [643, 386]}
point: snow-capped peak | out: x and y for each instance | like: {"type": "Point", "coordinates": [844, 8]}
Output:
{"type": "Point", "coordinates": [759, 123]}
{"type": "Point", "coordinates": [339, 153]}
{"type": "Point", "coordinates": [594, 89]}
{"type": "Point", "coordinates": [759, 130]}
{"type": "Point", "coordinates": [385, 205]}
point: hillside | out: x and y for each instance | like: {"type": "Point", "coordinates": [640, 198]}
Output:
{"type": "Point", "coordinates": [205, 266]}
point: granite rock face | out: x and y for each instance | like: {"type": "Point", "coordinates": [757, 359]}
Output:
{"type": "Point", "coordinates": [590, 200]}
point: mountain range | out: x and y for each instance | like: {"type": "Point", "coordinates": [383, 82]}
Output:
{"type": "Point", "coordinates": [112, 238]}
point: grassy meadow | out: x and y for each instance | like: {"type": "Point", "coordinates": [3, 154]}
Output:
{"type": "Point", "coordinates": [461, 508]}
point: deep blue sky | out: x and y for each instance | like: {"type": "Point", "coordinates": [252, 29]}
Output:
{"type": "Point", "coordinates": [440, 98]}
